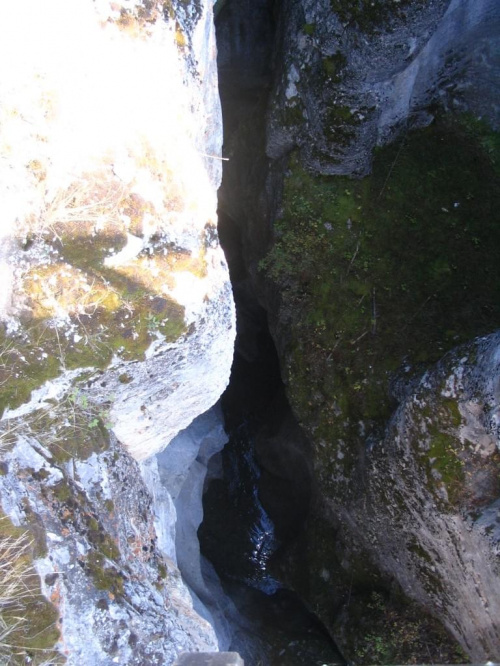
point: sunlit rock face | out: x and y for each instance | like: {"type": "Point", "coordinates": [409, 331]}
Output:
{"type": "Point", "coordinates": [116, 311]}
{"type": "Point", "coordinates": [111, 161]}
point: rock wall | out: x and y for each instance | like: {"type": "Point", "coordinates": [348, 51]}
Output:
{"type": "Point", "coordinates": [110, 214]}
{"type": "Point", "coordinates": [182, 468]}
{"type": "Point", "coordinates": [351, 78]}
{"type": "Point", "coordinates": [117, 318]}
{"type": "Point", "coordinates": [117, 591]}
{"type": "Point", "coordinates": [428, 511]}
{"type": "Point", "coordinates": [371, 301]}
{"type": "Point", "coordinates": [367, 283]}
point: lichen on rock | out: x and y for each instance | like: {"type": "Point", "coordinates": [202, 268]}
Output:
{"type": "Point", "coordinates": [110, 215]}
{"type": "Point", "coordinates": [111, 584]}
{"type": "Point", "coordinates": [367, 303]}
{"type": "Point", "coordinates": [116, 314]}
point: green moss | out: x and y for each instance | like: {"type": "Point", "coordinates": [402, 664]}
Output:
{"type": "Point", "coordinates": [292, 114]}
{"type": "Point", "coordinates": [108, 547]}
{"type": "Point", "coordinates": [101, 539]}
{"type": "Point", "coordinates": [395, 268]}
{"type": "Point", "coordinates": [41, 353]}
{"type": "Point", "coordinates": [62, 491]}
{"type": "Point", "coordinates": [451, 413]}
{"type": "Point", "coordinates": [72, 429]}
{"type": "Point", "coordinates": [89, 251]}
{"type": "Point", "coordinates": [478, 130]}
{"type": "Point", "coordinates": [309, 28]}
{"type": "Point", "coordinates": [124, 321]}
{"type": "Point", "coordinates": [386, 629]}
{"type": "Point", "coordinates": [105, 576]}
{"type": "Point", "coordinates": [340, 121]}
{"type": "Point", "coordinates": [24, 366]}
{"type": "Point", "coordinates": [41, 475]}
{"type": "Point", "coordinates": [443, 457]}
{"type": "Point", "coordinates": [110, 312]}
{"type": "Point", "coordinates": [333, 65]}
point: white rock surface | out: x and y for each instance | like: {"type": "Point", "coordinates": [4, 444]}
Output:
{"type": "Point", "coordinates": [123, 143]}
{"type": "Point", "coordinates": [178, 381]}
{"type": "Point", "coordinates": [182, 469]}
{"type": "Point", "coordinates": [133, 607]}
{"type": "Point", "coordinates": [111, 129]}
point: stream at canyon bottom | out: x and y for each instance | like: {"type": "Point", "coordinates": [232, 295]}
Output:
{"type": "Point", "coordinates": [241, 540]}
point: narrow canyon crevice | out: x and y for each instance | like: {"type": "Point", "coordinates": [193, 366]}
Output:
{"type": "Point", "coordinates": [255, 500]}
{"type": "Point", "coordinates": [292, 103]}
{"type": "Point", "coordinates": [340, 501]}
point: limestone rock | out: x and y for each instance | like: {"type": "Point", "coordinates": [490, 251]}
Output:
{"type": "Point", "coordinates": [109, 237]}
{"type": "Point", "coordinates": [428, 515]}
{"type": "Point", "coordinates": [116, 313]}
{"type": "Point", "coordinates": [351, 77]}
{"type": "Point", "coordinates": [120, 598]}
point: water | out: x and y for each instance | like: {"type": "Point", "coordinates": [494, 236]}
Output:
{"type": "Point", "coordinates": [240, 539]}
{"type": "Point", "coordinates": [237, 535]}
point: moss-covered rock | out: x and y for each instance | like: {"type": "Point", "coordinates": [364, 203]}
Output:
{"type": "Point", "coordinates": [114, 293]}
{"type": "Point", "coordinates": [388, 271]}
{"type": "Point", "coordinates": [379, 278]}
{"type": "Point", "coordinates": [377, 629]}
{"type": "Point", "coordinates": [372, 15]}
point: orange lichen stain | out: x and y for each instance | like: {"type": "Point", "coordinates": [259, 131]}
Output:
{"type": "Point", "coordinates": [55, 596]}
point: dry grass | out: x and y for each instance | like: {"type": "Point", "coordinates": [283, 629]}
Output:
{"type": "Point", "coordinates": [91, 201]}
{"type": "Point", "coordinates": [19, 599]}
{"type": "Point", "coordinates": [27, 619]}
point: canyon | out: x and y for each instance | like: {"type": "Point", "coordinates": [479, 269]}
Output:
{"type": "Point", "coordinates": [339, 237]}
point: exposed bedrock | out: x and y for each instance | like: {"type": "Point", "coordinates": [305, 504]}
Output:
{"type": "Point", "coordinates": [350, 78]}
{"type": "Point", "coordinates": [109, 218]}
{"type": "Point", "coordinates": [368, 283]}
{"type": "Point", "coordinates": [182, 469]}
{"type": "Point", "coordinates": [117, 324]}
{"type": "Point", "coordinates": [416, 509]}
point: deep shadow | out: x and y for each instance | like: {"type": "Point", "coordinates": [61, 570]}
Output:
{"type": "Point", "coordinates": [258, 489]}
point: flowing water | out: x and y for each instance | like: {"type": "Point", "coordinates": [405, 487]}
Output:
{"type": "Point", "coordinates": [239, 537]}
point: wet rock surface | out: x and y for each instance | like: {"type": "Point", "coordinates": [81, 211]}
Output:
{"type": "Point", "coordinates": [255, 506]}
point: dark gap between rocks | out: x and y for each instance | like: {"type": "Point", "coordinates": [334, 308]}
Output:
{"type": "Point", "coordinates": [258, 488]}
